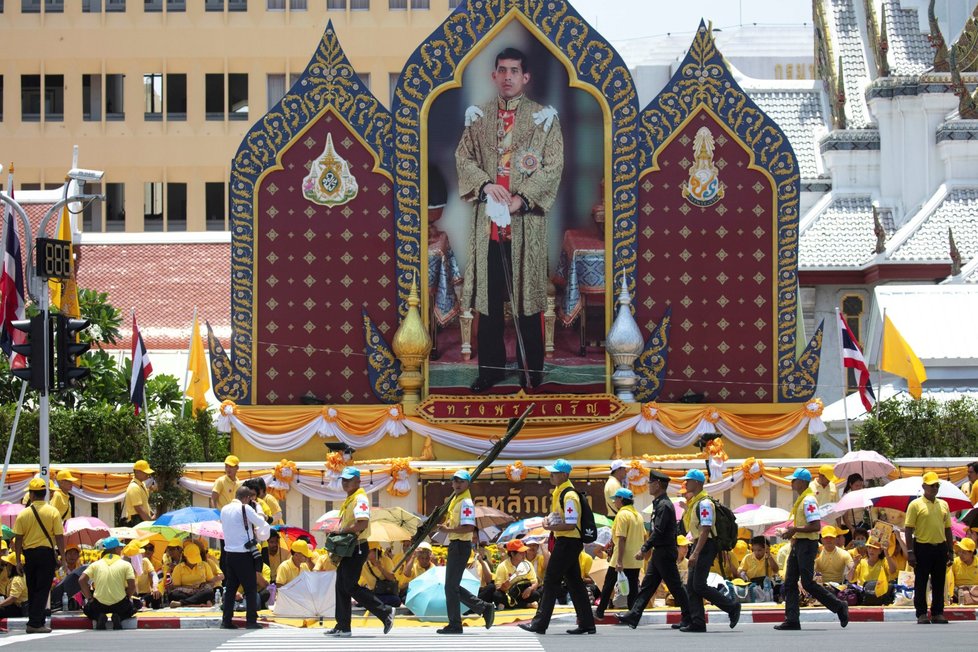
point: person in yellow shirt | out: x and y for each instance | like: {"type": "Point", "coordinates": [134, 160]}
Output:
{"type": "Point", "coordinates": [835, 564]}
{"type": "Point", "coordinates": [135, 508]}
{"type": "Point", "coordinates": [972, 489]}
{"type": "Point", "coordinates": [193, 581]}
{"type": "Point", "coordinates": [874, 568]}
{"type": "Point", "coordinates": [565, 559]}
{"type": "Point", "coordinates": [515, 583]}
{"type": "Point", "coordinates": [67, 578]}
{"type": "Point", "coordinates": [965, 569]}
{"type": "Point", "coordinates": [298, 562]}
{"type": "Point", "coordinates": [38, 531]}
{"type": "Point", "coordinates": [147, 582]}
{"type": "Point", "coordinates": [824, 485]}
{"type": "Point", "coordinates": [14, 592]}
{"type": "Point", "coordinates": [931, 548]}
{"type": "Point", "coordinates": [115, 585]}
{"type": "Point", "coordinates": [60, 497]}
{"type": "Point", "coordinates": [222, 492]}
{"type": "Point", "coordinates": [277, 553]}
{"type": "Point", "coordinates": [377, 575]}
{"type": "Point", "coordinates": [172, 557]}
{"type": "Point", "coordinates": [628, 534]}
{"type": "Point", "coordinates": [538, 555]}
{"type": "Point", "coordinates": [759, 564]}
{"type": "Point", "coordinates": [460, 526]}
{"type": "Point", "coordinates": [616, 480]}
{"type": "Point", "coordinates": [420, 561]}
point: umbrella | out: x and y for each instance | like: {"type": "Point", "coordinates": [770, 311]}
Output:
{"type": "Point", "coordinates": [601, 520]}
{"type": "Point", "coordinates": [164, 531]}
{"type": "Point", "coordinates": [970, 519]}
{"type": "Point", "coordinates": [328, 521]}
{"type": "Point", "coordinates": [760, 518]}
{"type": "Point", "coordinates": [426, 593]}
{"type": "Point", "coordinates": [397, 516]}
{"type": "Point", "coordinates": [211, 529]}
{"type": "Point", "coordinates": [293, 533]}
{"type": "Point", "coordinates": [749, 507]}
{"type": "Point", "coordinates": [9, 512]}
{"type": "Point", "coordinates": [958, 529]}
{"type": "Point", "coordinates": [858, 499]}
{"type": "Point", "coordinates": [868, 464]}
{"type": "Point", "coordinates": [518, 529]}
{"type": "Point", "coordinates": [899, 493]}
{"type": "Point", "coordinates": [310, 595]}
{"type": "Point", "coordinates": [773, 530]}
{"type": "Point", "coordinates": [84, 530]}
{"type": "Point", "coordinates": [488, 516]}
{"type": "Point", "coordinates": [384, 532]}
{"type": "Point", "coordinates": [127, 533]}
{"type": "Point", "coordinates": [486, 535]}
{"type": "Point", "coordinates": [678, 502]}
{"type": "Point", "coordinates": [188, 515]}
{"type": "Point", "coordinates": [599, 568]}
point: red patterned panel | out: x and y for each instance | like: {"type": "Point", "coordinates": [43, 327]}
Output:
{"type": "Point", "coordinates": [715, 266]}
{"type": "Point", "coordinates": [315, 267]}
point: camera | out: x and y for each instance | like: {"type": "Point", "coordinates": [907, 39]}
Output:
{"type": "Point", "coordinates": [81, 174]}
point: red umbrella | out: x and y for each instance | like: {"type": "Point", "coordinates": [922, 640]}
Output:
{"type": "Point", "coordinates": [291, 533]}
{"type": "Point", "coordinates": [9, 512]}
{"type": "Point", "coordinates": [899, 493]}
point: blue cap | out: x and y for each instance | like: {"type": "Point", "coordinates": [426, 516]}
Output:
{"type": "Point", "coordinates": [801, 474]}
{"type": "Point", "coordinates": [110, 543]}
{"type": "Point", "coordinates": [462, 474]}
{"type": "Point", "coordinates": [625, 493]}
{"type": "Point", "coordinates": [560, 466]}
{"type": "Point", "coordinates": [694, 474]}
{"type": "Point", "coordinates": [350, 472]}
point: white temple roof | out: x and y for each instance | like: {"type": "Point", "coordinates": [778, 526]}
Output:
{"type": "Point", "coordinates": [839, 236]}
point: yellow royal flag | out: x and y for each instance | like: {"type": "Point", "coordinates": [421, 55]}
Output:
{"type": "Point", "coordinates": [199, 373]}
{"type": "Point", "coordinates": [899, 359]}
{"type": "Point", "coordinates": [64, 294]}
{"type": "Point", "coordinates": [882, 583]}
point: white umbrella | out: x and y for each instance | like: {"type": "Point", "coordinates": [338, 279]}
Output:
{"type": "Point", "coordinates": [310, 595]}
{"type": "Point", "coordinates": [760, 518]}
{"type": "Point", "coordinates": [868, 464]}
{"type": "Point", "coordinates": [858, 499]}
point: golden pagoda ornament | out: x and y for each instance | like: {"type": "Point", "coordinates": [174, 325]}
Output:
{"type": "Point", "coordinates": [329, 182]}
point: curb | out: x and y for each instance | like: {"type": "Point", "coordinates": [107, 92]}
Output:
{"type": "Point", "coordinates": [775, 616]}
{"type": "Point", "coordinates": [83, 622]}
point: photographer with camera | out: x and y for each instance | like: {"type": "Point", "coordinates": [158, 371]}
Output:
{"type": "Point", "coordinates": [243, 529]}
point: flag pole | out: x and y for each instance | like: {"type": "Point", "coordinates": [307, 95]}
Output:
{"type": "Point", "coordinates": [149, 435]}
{"type": "Point", "coordinates": [13, 433]}
{"type": "Point", "coordinates": [845, 381]}
{"type": "Point", "coordinates": [186, 375]}
{"type": "Point", "coordinates": [879, 366]}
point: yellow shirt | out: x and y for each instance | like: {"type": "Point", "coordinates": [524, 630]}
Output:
{"type": "Point", "coordinates": [288, 571]}
{"type": "Point", "coordinates": [539, 565]}
{"type": "Point", "coordinates": [610, 487]}
{"type": "Point", "coordinates": [18, 590]}
{"type": "Point", "coordinates": [144, 581]}
{"type": "Point", "coordinates": [224, 487]}
{"type": "Point", "coordinates": [110, 575]}
{"type": "Point", "coordinates": [59, 500]}
{"type": "Point", "coordinates": [755, 567]}
{"type": "Point", "coordinates": [832, 565]}
{"type": "Point", "coordinates": [370, 573]}
{"type": "Point", "coordinates": [274, 561]}
{"type": "Point", "coordinates": [805, 511]}
{"type": "Point", "coordinates": [586, 561]}
{"type": "Point", "coordinates": [570, 509]}
{"type": "Point", "coordinates": [964, 575]}
{"type": "Point", "coordinates": [324, 563]}
{"type": "Point", "coordinates": [27, 527]}
{"type": "Point", "coordinates": [461, 511]}
{"type": "Point", "coordinates": [5, 580]}
{"type": "Point", "coordinates": [866, 573]}
{"type": "Point", "coordinates": [184, 575]}
{"type": "Point", "coordinates": [506, 572]}
{"type": "Point", "coordinates": [824, 495]}
{"type": "Point", "coordinates": [928, 519]}
{"type": "Point", "coordinates": [973, 496]}
{"type": "Point", "coordinates": [275, 508]}
{"type": "Point", "coordinates": [628, 524]}
{"type": "Point", "coordinates": [136, 495]}
{"type": "Point", "coordinates": [355, 508]}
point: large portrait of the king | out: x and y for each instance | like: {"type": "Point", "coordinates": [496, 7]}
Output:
{"type": "Point", "coordinates": [516, 161]}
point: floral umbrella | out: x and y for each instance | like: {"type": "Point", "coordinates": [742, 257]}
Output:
{"type": "Point", "coordinates": [85, 531]}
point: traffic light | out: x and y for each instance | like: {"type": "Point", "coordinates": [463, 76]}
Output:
{"type": "Point", "coordinates": [69, 348]}
{"type": "Point", "coordinates": [33, 352]}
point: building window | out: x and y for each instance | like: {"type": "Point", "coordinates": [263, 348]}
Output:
{"type": "Point", "coordinates": [54, 6]}
{"type": "Point", "coordinates": [214, 96]}
{"type": "Point", "coordinates": [214, 206]}
{"type": "Point", "coordinates": [1, 87]}
{"type": "Point", "coordinates": [152, 6]}
{"type": "Point", "coordinates": [115, 207]}
{"type": "Point", "coordinates": [153, 206]}
{"type": "Point", "coordinates": [420, 4]}
{"type": "Point", "coordinates": [115, 109]}
{"type": "Point", "coordinates": [397, 4]}
{"type": "Point", "coordinates": [91, 6]}
{"type": "Point", "coordinates": [93, 92]}
{"type": "Point", "coordinates": [275, 89]}
{"type": "Point", "coordinates": [392, 85]}
{"type": "Point", "coordinates": [30, 6]}
{"type": "Point", "coordinates": [54, 98]}
{"type": "Point", "coordinates": [213, 5]}
{"type": "Point", "coordinates": [852, 312]}
{"type": "Point", "coordinates": [115, 5]}
{"type": "Point", "coordinates": [91, 98]}
{"type": "Point", "coordinates": [237, 96]}
{"type": "Point", "coordinates": [298, 5]}
{"type": "Point", "coordinates": [153, 96]}
{"type": "Point", "coordinates": [176, 6]}
{"type": "Point", "coordinates": [92, 212]}
{"type": "Point", "coordinates": [176, 96]}
{"type": "Point", "coordinates": [335, 5]}
{"type": "Point", "coordinates": [365, 79]}
{"type": "Point", "coordinates": [360, 5]}
{"type": "Point", "coordinates": [237, 5]}
{"type": "Point", "coordinates": [452, 4]}
{"type": "Point", "coordinates": [30, 98]}
{"type": "Point", "coordinates": [275, 5]}
{"type": "Point", "coordinates": [176, 207]}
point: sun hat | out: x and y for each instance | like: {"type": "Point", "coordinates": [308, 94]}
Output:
{"type": "Point", "coordinates": [832, 531]}
{"type": "Point", "coordinates": [142, 465]}
{"type": "Point", "coordinates": [37, 484]}
{"type": "Point", "coordinates": [931, 478]}
{"type": "Point", "coordinates": [801, 474]}
{"type": "Point", "coordinates": [191, 554]}
{"type": "Point", "coordinates": [617, 464]}
{"type": "Point", "coordinates": [560, 466]}
{"type": "Point", "coordinates": [133, 548]}
{"type": "Point", "coordinates": [625, 494]}
{"type": "Point", "coordinates": [462, 474]}
{"type": "Point", "coordinates": [681, 540]}
{"type": "Point", "coordinates": [302, 547]}
{"type": "Point", "coordinates": [424, 545]}
{"type": "Point", "coordinates": [349, 473]}
{"type": "Point", "coordinates": [695, 475]}
{"type": "Point", "coordinates": [516, 545]}
{"type": "Point", "coordinates": [968, 545]}
{"type": "Point", "coordinates": [828, 471]}
{"type": "Point", "coordinates": [231, 460]}
{"type": "Point", "coordinates": [175, 543]}
{"type": "Point", "coordinates": [65, 476]}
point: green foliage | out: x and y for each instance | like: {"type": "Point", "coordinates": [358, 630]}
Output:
{"type": "Point", "coordinates": [924, 428]}
{"type": "Point", "coordinates": [105, 319]}
{"type": "Point", "coordinates": [174, 443]}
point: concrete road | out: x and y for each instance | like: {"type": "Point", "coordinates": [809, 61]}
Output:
{"type": "Point", "coordinates": [858, 636]}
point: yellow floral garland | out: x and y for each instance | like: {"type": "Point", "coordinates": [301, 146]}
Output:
{"type": "Point", "coordinates": [400, 471]}
{"type": "Point", "coordinates": [335, 462]}
{"type": "Point", "coordinates": [282, 476]}
{"type": "Point", "coordinates": [516, 472]}
{"type": "Point", "coordinates": [753, 476]}
{"type": "Point", "coordinates": [714, 448]}
{"type": "Point", "coordinates": [638, 478]}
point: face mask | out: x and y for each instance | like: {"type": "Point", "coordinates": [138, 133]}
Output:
{"type": "Point", "coordinates": [860, 544]}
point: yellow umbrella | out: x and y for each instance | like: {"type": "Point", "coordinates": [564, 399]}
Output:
{"type": "Point", "coordinates": [599, 568]}
{"type": "Point", "coordinates": [386, 532]}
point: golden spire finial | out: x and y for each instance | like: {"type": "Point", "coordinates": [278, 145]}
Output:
{"type": "Point", "coordinates": [411, 345]}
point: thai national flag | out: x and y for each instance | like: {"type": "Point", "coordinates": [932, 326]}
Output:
{"type": "Point", "coordinates": [141, 368]}
{"type": "Point", "coordinates": [852, 358]}
{"type": "Point", "coordinates": [12, 301]}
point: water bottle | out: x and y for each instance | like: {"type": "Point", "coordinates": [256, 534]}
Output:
{"type": "Point", "coordinates": [64, 602]}
{"type": "Point", "coordinates": [272, 589]}
{"type": "Point", "coordinates": [219, 596]}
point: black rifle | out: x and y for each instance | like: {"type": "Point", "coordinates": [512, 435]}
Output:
{"type": "Point", "coordinates": [436, 517]}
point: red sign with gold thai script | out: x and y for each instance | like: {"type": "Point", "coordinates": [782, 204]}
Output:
{"type": "Point", "coordinates": [550, 408]}
{"type": "Point", "coordinates": [520, 500]}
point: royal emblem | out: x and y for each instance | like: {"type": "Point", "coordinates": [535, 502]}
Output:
{"type": "Point", "coordinates": [527, 163]}
{"type": "Point", "coordinates": [329, 182]}
{"type": "Point", "coordinates": [704, 187]}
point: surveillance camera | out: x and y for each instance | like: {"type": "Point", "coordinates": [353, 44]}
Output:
{"type": "Point", "coordinates": [80, 174]}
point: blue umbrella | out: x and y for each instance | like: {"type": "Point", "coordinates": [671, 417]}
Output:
{"type": "Point", "coordinates": [517, 529]}
{"type": "Point", "coordinates": [188, 515]}
{"type": "Point", "coordinates": [426, 594]}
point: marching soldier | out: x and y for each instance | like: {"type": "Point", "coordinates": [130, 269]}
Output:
{"type": "Point", "coordinates": [460, 527]}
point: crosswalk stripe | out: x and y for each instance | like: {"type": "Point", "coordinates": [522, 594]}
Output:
{"type": "Point", "coordinates": [13, 639]}
{"type": "Point", "coordinates": [371, 639]}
